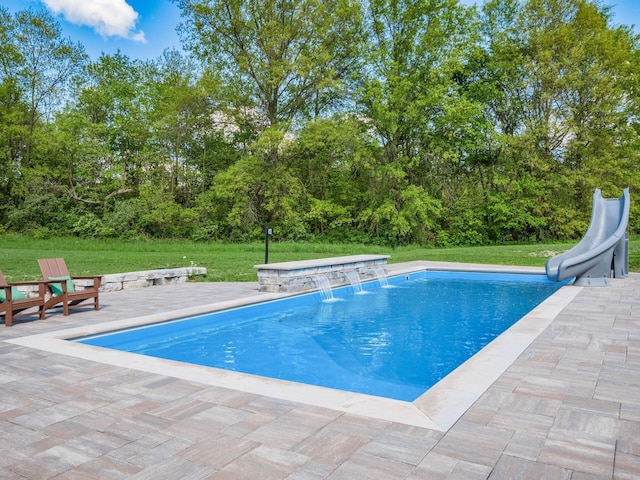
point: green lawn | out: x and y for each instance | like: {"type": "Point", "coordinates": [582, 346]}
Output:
{"type": "Point", "coordinates": [234, 262]}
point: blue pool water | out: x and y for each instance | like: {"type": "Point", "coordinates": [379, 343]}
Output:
{"type": "Point", "coordinates": [393, 342]}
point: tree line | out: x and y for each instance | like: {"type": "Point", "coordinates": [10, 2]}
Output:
{"type": "Point", "coordinates": [375, 121]}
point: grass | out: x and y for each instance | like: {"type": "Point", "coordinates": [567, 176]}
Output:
{"type": "Point", "coordinates": [234, 262]}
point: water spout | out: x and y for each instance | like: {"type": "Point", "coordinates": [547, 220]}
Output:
{"type": "Point", "coordinates": [382, 276]}
{"type": "Point", "coordinates": [324, 287]}
{"type": "Point", "coordinates": [354, 280]}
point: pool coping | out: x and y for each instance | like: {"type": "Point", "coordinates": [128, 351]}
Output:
{"type": "Point", "coordinates": [438, 408]}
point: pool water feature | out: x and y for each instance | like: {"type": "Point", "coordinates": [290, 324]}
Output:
{"type": "Point", "coordinates": [392, 342]}
{"type": "Point", "coordinates": [381, 276]}
{"type": "Point", "coordinates": [354, 280]}
{"type": "Point", "coordinates": [324, 287]}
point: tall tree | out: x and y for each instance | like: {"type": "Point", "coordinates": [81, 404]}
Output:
{"type": "Point", "coordinates": [283, 57]}
{"type": "Point", "coordinates": [280, 61]}
{"type": "Point", "coordinates": [37, 69]}
{"type": "Point", "coordinates": [332, 158]}
{"type": "Point", "coordinates": [13, 109]}
{"type": "Point", "coordinates": [47, 64]}
{"type": "Point", "coordinates": [561, 78]}
{"type": "Point", "coordinates": [179, 113]}
{"type": "Point", "coordinates": [407, 93]}
{"type": "Point", "coordinates": [109, 120]}
{"type": "Point", "coordinates": [193, 134]}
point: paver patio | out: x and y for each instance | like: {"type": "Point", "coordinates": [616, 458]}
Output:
{"type": "Point", "coordinates": [567, 408]}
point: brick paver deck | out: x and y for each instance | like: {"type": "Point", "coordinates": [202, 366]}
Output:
{"type": "Point", "coordinates": [567, 408]}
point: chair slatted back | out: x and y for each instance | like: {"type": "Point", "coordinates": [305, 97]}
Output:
{"type": "Point", "coordinates": [53, 267]}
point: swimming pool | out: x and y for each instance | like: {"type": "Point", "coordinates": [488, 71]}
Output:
{"type": "Point", "coordinates": [390, 342]}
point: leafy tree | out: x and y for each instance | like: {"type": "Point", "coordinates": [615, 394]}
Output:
{"type": "Point", "coordinates": [253, 192]}
{"type": "Point", "coordinates": [280, 60]}
{"type": "Point", "coordinates": [553, 79]}
{"type": "Point", "coordinates": [13, 111]}
{"type": "Point", "coordinates": [44, 68]}
{"type": "Point", "coordinates": [180, 116]}
{"type": "Point", "coordinates": [80, 160]}
{"type": "Point", "coordinates": [407, 93]}
{"type": "Point", "coordinates": [386, 121]}
{"type": "Point", "coordinates": [332, 158]}
{"type": "Point", "coordinates": [284, 58]}
{"type": "Point", "coordinates": [115, 103]}
{"type": "Point", "coordinates": [37, 67]}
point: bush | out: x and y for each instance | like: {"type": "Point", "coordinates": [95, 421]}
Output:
{"type": "Point", "coordinates": [124, 219]}
{"type": "Point", "coordinates": [90, 226]}
{"type": "Point", "coordinates": [205, 231]}
{"type": "Point", "coordinates": [39, 210]}
{"type": "Point", "coordinates": [170, 220]}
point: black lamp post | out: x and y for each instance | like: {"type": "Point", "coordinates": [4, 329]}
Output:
{"type": "Point", "coordinates": [267, 232]}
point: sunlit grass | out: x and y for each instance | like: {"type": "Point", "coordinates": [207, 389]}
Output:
{"type": "Point", "coordinates": [234, 262]}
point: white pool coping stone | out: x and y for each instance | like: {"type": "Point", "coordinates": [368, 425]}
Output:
{"type": "Point", "coordinates": [438, 408]}
{"type": "Point", "coordinates": [324, 262]}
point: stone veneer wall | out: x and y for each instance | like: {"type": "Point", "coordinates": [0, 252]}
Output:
{"type": "Point", "coordinates": [293, 277]}
{"type": "Point", "coordinates": [145, 278]}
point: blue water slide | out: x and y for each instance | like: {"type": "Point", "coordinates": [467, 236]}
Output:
{"type": "Point", "coordinates": [603, 252]}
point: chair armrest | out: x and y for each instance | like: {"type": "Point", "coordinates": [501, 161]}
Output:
{"type": "Point", "coordinates": [7, 292]}
{"type": "Point", "coordinates": [41, 284]}
{"type": "Point", "coordinates": [97, 279]}
{"type": "Point", "coordinates": [29, 283]}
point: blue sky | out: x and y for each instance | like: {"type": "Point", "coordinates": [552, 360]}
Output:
{"type": "Point", "coordinates": [143, 29]}
{"type": "Point", "coordinates": [626, 12]}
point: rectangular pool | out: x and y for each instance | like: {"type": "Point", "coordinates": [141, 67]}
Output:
{"type": "Point", "coordinates": [394, 341]}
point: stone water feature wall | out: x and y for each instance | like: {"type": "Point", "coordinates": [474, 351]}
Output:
{"type": "Point", "coordinates": [293, 277]}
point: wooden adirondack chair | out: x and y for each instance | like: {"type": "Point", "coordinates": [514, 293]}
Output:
{"type": "Point", "coordinates": [62, 289]}
{"type": "Point", "coordinates": [13, 303]}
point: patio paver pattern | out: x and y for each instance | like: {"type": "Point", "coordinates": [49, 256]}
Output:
{"type": "Point", "coordinates": [567, 408]}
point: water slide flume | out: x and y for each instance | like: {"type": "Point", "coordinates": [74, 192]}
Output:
{"type": "Point", "coordinates": [603, 252]}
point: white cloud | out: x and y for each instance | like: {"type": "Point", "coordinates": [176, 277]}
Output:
{"type": "Point", "coordinates": [110, 18]}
